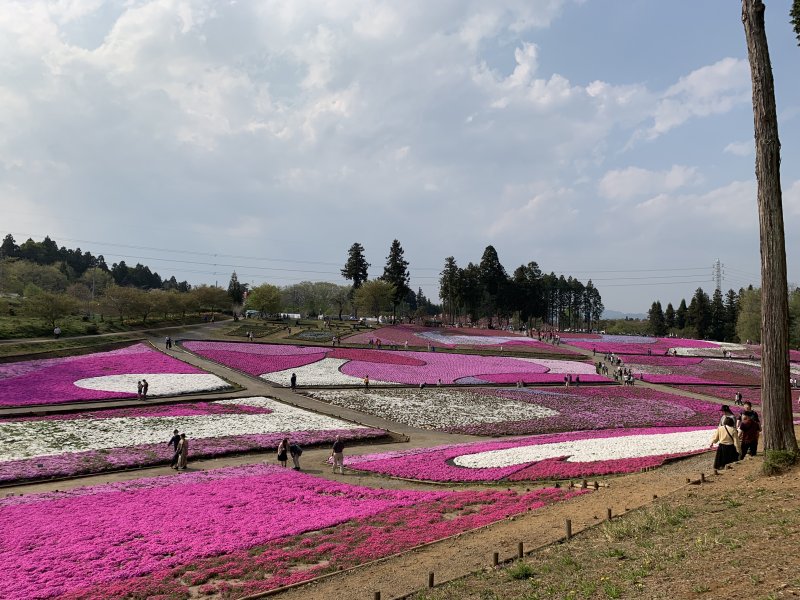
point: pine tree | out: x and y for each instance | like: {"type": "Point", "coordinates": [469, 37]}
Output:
{"type": "Point", "coordinates": [356, 267]}
{"type": "Point", "coordinates": [718, 317]}
{"type": "Point", "coordinates": [669, 316]}
{"type": "Point", "coordinates": [235, 290]}
{"type": "Point", "coordinates": [681, 315]}
{"type": "Point", "coordinates": [448, 287]}
{"type": "Point", "coordinates": [493, 279]}
{"type": "Point", "coordinates": [731, 315]}
{"type": "Point", "coordinates": [656, 317]}
{"type": "Point", "coordinates": [699, 314]}
{"type": "Point", "coordinates": [795, 14]}
{"type": "Point", "coordinates": [396, 274]}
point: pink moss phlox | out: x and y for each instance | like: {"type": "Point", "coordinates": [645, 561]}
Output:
{"type": "Point", "coordinates": [404, 367]}
{"type": "Point", "coordinates": [606, 407]}
{"type": "Point", "coordinates": [51, 381]}
{"type": "Point", "coordinates": [432, 464]}
{"type": "Point", "coordinates": [147, 455]}
{"type": "Point", "coordinates": [124, 538]}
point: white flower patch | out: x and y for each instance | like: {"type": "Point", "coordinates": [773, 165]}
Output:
{"type": "Point", "coordinates": [435, 409]}
{"type": "Point", "coordinates": [472, 340]}
{"type": "Point", "coordinates": [323, 372]}
{"type": "Point", "coordinates": [592, 450]}
{"type": "Point", "coordinates": [709, 352]}
{"type": "Point", "coordinates": [159, 384]}
{"type": "Point", "coordinates": [47, 437]}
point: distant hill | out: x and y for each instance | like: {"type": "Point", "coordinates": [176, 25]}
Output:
{"type": "Point", "coordinates": [615, 314]}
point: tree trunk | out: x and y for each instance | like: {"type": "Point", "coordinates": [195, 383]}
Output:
{"type": "Point", "coordinates": [775, 392]}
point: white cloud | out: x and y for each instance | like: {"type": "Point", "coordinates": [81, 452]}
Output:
{"type": "Point", "coordinates": [632, 182]}
{"type": "Point", "coordinates": [709, 90]}
{"type": "Point", "coordinates": [424, 121]}
{"type": "Point", "coordinates": [739, 148]}
{"type": "Point", "coordinates": [791, 198]}
{"type": "Point", "coordinates": [543, 208]}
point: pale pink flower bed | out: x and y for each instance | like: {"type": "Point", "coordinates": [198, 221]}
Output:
{"type": "Point", "coordinates": [452, 337]}
{"type": "Point", "coordinates": [52, 381]}
{"type": "Point", "coordinates": [635, 344]}
{"type": "Point", "coordinates": [401, 367]}
{"type": "Point", "coordinates": [712, 371]}
{"type": "Point", "coordinates": [156, 538]}
{"type": "Point", "coordinates": [749, 394]}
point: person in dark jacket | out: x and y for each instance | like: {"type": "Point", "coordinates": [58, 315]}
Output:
{"type": "Point", "coordinates": [748, 429]}
{"type": "Point", "coordinates": [174, 441]}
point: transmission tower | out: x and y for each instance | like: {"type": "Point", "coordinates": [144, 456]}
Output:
{"type": "Point", "coordinates": [717, 271]}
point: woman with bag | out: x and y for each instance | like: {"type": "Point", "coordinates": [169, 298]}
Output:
{"type": "Point", "coordinates": [283, 451]}
{"type": "Point", "coordinates": [728, 438]}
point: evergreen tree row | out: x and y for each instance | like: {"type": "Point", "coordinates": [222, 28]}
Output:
{"type": "Point", "coordinates": [485, 291]}
{"type": "Point", "coordinates": [74, 265]}
{"type": "Point", "coordinates": [712, 318]}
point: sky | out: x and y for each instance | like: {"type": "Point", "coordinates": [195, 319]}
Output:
{"type": "Point", "coordinates": [610, 141]}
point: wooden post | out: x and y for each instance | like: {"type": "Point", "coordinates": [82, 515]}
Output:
{"type": "Point", "coordinates": [377, 596]}
{"type": "Point", "coordinates": [702, 477]}
{"type": "Point", "coordinates": [430, 579]}
{"type": "Point", "coordinates": [568, 528]}
{"type": "Point", "coordinates": [495, 559]}
{"type": "Point", "coordinates": [584, 485]}
{"type": "Point", "coordinates": [596, 485]}
{"type": "Point", "coordinates": [608, 514]}
{"type": "Point", "coordinates": [520, 550]}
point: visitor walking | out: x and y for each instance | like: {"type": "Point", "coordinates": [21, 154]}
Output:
{"type": "Point", "coordinates": [337, 454]}
{"type": "Point", "coordinates": [145, 386]}
{"type": "Point", "coordinates": [293, 381]}
{"type": "Point", "coordinates": [283, 451]}
{"type": "Point", "coordinates": [168, 342]}
{"type": "Point", "coordinates": [727, 439]}
{"type": "Point", "coordinates": [139, 388]}
{"type": "Point", "coordinates": [174, 441]}
{"type": "Point", "coordinates": [57, 332]}
{"type": "Point", "coordinates": [183, 451]}
{"type": "Point", "coordinates": [366, 382]}
{"type": "Point", "coordinates": [748, 431]}
{"type": "Point", "coordinates": [737, 398]}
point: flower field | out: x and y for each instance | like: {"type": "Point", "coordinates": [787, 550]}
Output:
{"type": "Point", "coordinates": [558, 456]}
{"type": "Point", "coordinates": [348, 366]}
{"type": "Point", "coordinates": [230, 532]}
{"type": "Point", "coordinates": [490, 339]}
{"type": "Point", "coordinates": [100, 376]}
{"type": "Point", "coordinates": [64, 445]}
{"type": "Point", "coordinates": [520, 411]}
{"type": "Point", "coordinates": [711, 371]}
{"type": "Point", "coordinates": [749, 394]}
{"type": "Point", "coordinates": [639, 344]}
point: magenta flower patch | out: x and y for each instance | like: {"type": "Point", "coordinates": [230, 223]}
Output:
{"type": "Point", "coordinates": [52, 381]}
{"type": "Point", "coordinates": [111, 540]}
{"type": "Point", "coordinates": [398, 367]}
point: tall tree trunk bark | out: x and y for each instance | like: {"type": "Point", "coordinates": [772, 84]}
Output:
{"type": "Point", "coordinates": [775, 392]}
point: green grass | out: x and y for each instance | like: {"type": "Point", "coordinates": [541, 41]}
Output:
{"type": "Point", "coordinates": [777, 462]}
